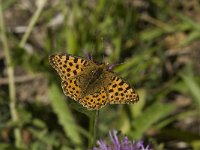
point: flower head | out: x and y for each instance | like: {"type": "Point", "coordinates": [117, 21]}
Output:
{"type": "Point", "coordinates": [116, 144]}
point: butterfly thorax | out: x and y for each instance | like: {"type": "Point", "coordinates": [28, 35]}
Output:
{"type": "Point", "coordinates": [93, 79]}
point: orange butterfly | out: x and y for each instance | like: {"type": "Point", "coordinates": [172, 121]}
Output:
{"type": "Point", "coordinates": [92, 85]}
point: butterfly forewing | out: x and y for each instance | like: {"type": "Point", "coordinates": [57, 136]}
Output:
{"type": "Point", "coordinates": [119, 92]}
{"type": "Point", "coordinates": [67, 66]}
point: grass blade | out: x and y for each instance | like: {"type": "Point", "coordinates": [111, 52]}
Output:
{"type": "Point", "coordinates": [64, 114]}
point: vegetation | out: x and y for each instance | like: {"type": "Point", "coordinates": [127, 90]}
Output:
{"type": "Point", "coordinates": [155, 44]}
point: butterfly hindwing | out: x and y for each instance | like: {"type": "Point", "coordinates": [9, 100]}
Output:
{"type": "Point", "coordinates": [67, 66]}
{"type": "Point", "coordinates": [96, 100]}
{"type": "Point", "coordinates": [119, 92]}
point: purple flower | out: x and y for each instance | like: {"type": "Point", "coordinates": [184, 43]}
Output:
{"type": "Point", "coordinates": [110, 67]}
{"type": "Point", "coordinates": [116, 144]}
{"type": "Point", "coordinates": [87, 55]}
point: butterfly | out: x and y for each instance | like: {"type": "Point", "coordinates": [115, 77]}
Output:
{"type": "Point", "coordinates": [90, 83]}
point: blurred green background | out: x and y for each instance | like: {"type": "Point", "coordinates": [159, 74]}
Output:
{"type": "Point", "coordinates": [156, 44]}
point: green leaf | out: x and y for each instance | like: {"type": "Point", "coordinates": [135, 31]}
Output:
{"type": "Point", "coordinates": [38, 123]}
{"type": "Point", "coordinates": [65, 117]}
{"type": "Point", "coordinates": [81, 109]}
{"type": "Point", "coordinates": [6, 146]}
{"type": "Point", "coordinates": [196, 144]}
{"type": "Point", "coordinates": [136, 109]}
{"type": "Point", "coordinates": [44, 137]}
{"type": "Point", "coordinates": [150, 34]}
{"type": "Point", "coordinates": [192, 86]}
{"type": "Point", "coordinates": [150, 116]}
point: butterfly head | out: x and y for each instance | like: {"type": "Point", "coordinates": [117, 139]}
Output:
{"type": "Point", "coordinates": [105, 65]}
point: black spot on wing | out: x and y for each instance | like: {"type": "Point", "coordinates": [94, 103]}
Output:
{"type": "Point", "coordinates": [114, 85]}
{"type": "Point", "coordinates": [67, 57]}
{"type": "Point", "coordinates": [128, 88]}
{"type": "Point", "coordinates": [75, 60]}
{"type": "Point", "coordinates": [121, 83]}
{"type": "Point", "coordinates": [75, 72]}
{"type": "Point", "coordinates": [120, 89]}
{"type": "Point", "coordinates": [111, 90]}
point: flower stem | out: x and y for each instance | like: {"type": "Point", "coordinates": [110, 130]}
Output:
{"type": "Point", "coordinates": [10, 70]}
{"type": "Point", "coordinates": [93, 128]}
